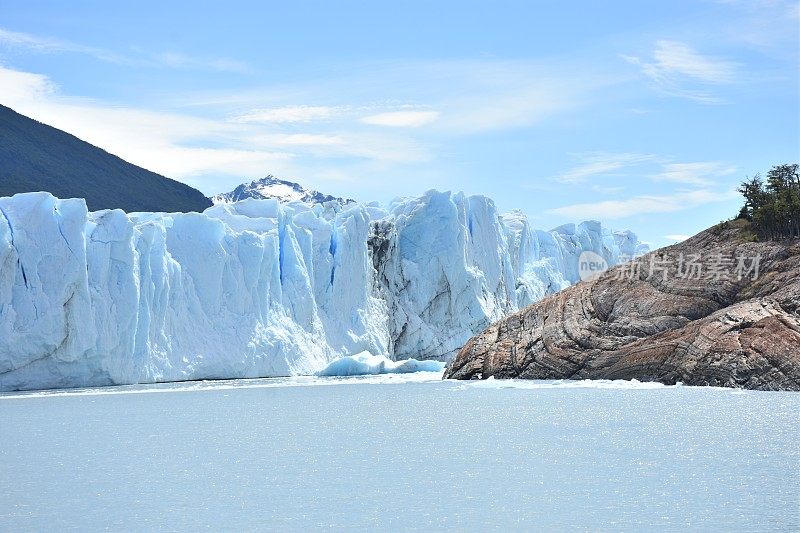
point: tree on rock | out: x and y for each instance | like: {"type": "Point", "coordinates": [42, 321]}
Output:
{"type": "Point", "coordinates": [773, 206]}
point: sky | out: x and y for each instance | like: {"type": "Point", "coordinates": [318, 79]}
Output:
{"type": "Point", "coordinates": [641, 114]}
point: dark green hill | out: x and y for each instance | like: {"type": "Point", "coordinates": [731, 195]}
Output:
{"type": "Point", "coordinates": [38, 157]}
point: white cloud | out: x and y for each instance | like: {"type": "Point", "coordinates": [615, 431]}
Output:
{"type": "Point", "coordinates": [259, 130]}
{"type": "Point", "coordinates": [617, 209]}
{"type": "Point", "coordinates": [299, 139]}
{"type": "Point", "coordinates": [297, 113]}
{"type": "Point", "coordinates": [19, 86]}
{"type": "Point", "coordinates": [623, 166]}
{"type": "Point", "coordinates": [23, 39]}
{"type": "Point", "coordinates": [793, 11]}
{"type": "Point", "coordinates": [607, 190]}
{"type": "Point", "coordinates": [676, 237]}
{"type": "Point", "coordinates": [697, 179]}
{"type": "Point", "coordinates": [700, 173]}
{"type": "Point", "coordinates": [214, 155]}
{"type": "Point", "coordinates": [677, 70]}
{"type": "Point", "coordinates": [600, 164]}
{"type": "Point", "coordinates": [179, 60]}
{"type": "Point", "coordinates": [452, 98]}
{"type": "Point", "coordinates": [163, 142]}
{"type": "Point", "coordinates": [516, 95]}
{"type": "Point", "coordinates": [764, 24]}
{"type": "Point", "coordinates": [50, 45]}
{"type": "Point", "coordinates": [675, 57]}
{"type": "Point", "coordinates": [401, 119]}
{"type": "Point", "coordinates": [40, 44]}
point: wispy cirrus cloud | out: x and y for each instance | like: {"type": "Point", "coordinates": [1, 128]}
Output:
{"type": "Point", "coordinates": [698, 184]}
{"type": "Point", "coordinates": [40, 44]}
{"type": "Point", "coordinates": [453, 98]}
{"type": "Point", "coordinates": [677, 69]}
{"type": "Point", "coordinates": [299, 139]}
{"type": "Point", "coordinates": [401, 119]}
{"type": "Point", "coordinates": [289, 114]}
{"type": "Point", "coordinates": [672, 57]}
{"type": "Point", "coordinates": [50, 45]}
{"type": "Point", "coordinates": [375, 119]}
{"type": "Point", "coordinates": [699, 173]}
{"type": "Point", "coordinates": [764, 24]}
{"type": "Point", "coordinates": [601, 163]}
{"type": "Point", "coordinates": [19, 86]}
{"type": "Point", "coordinates": [174, 144]}
{"type": "Point", "coordinates": [180, 60]}
{"type": "Point", "coordinates": [643, 204]}
{"type": "Point", "coordinates": [213, 154]}
{"type": "Point", "coordinates": [623, 166]}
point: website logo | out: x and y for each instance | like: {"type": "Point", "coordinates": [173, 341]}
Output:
{"type": "Point", "coordinates": [591, 265]}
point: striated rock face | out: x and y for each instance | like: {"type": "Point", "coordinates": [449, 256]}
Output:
{"type": "Point", "coordinates": [669, 316]}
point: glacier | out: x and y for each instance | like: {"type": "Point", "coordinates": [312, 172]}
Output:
{"type": "Point", "coordinates": [259, 288]}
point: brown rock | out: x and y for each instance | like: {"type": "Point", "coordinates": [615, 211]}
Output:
{"type": "Point", "coordinates": [713, 329]}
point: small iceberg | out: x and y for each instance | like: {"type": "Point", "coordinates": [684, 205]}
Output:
{"type": "Point", "coordinates": [366, 364]}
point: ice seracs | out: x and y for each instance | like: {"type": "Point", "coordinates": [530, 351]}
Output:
{"type": "Point", "coordinates": [263, 288]}
{"type": "Point", "coordinates": [444, 270]}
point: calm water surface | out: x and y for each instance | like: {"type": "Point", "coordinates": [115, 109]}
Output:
{"type": "Point", "coordinates": [400, 453]}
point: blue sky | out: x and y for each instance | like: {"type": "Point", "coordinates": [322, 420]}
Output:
{"type": "Point", "coordinates": [642, 114]}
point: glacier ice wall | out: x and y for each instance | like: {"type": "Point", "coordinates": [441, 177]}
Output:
{"type": "Point", "coordinates": [257, 288]}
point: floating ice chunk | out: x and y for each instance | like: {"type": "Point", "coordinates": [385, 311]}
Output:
{"type": "Point", "coordinates": [366, 364]}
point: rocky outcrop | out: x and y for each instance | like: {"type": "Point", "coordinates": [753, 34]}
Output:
{"type": "Point", "coordinates": [716, 309]}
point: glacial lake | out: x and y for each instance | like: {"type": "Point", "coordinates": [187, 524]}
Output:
{"type": "Point", "coordinates": [399, 453]}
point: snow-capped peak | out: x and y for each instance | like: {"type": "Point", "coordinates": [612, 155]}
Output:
{"type": "Point", "coordinates": [283, 191]}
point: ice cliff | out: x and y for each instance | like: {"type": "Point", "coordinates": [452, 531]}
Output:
{"type": "Point", "coordinates": [260, 288]}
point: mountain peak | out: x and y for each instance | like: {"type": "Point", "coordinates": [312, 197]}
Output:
{"type": "Point", "coordinates": [282, 190]}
